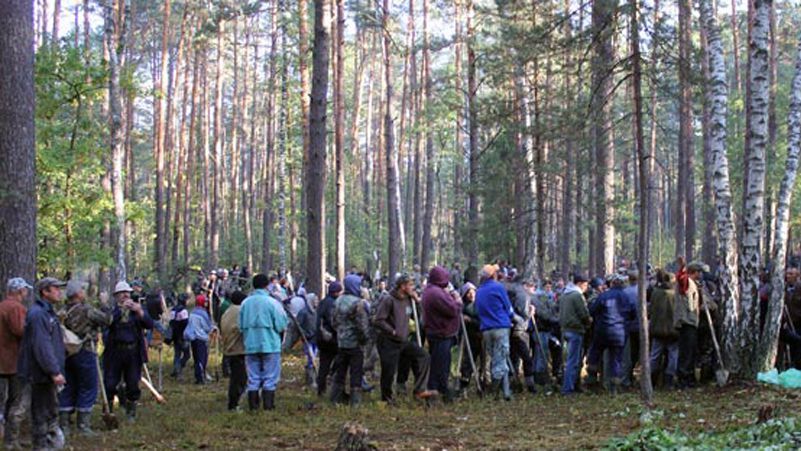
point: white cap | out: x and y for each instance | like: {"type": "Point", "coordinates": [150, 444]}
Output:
{"type": "Point", "coordinates": [122, 287]}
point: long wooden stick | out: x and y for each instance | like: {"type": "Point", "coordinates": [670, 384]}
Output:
{"type": "Point", "coordinates": [159, 398]}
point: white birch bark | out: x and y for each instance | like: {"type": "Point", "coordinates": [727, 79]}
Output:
{"type": "Point", "coordinates": [717, 96]}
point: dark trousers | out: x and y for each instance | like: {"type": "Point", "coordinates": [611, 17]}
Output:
{"type": "Point", "coordinates": [392, 353]}
{"type": "Point", "coordinates": [519, 350]}
{"type": "Point", "coordinates": [122, 365]}
{"type": "Point", "coordinates": [328, 355]}
{"type": "Point", "coordinates": [238, 381]}
{"type": "Point", "coordinates": [80, 393]}
{"type": "Point", "coordinates": [181, 355]}
{"type": "Point", "coordinates": [633, 346]}
{"type": "Point", "coordinates": [466, 371]}
{"type": "Point", "coordinates": [350, 359]}
{"type": "Point", "coordinates": [555, 350]}
{"type": "Point", "coordinates": [688, 346]}
{"type": "Point", "coordinates": [45, 432]}
{"type": "Point", "coordinates": [440, 350]}
{"type": "Point", "coordinates": [200, 356]}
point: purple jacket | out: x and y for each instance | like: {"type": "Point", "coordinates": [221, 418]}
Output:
{"type": "Point", "coordinates": [441, 310]}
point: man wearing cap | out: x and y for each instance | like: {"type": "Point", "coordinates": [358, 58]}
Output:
{"type": "Point", "coordinates": [686, 320]}
{"type": "Point", "coordinates": [41, 363]}
{"type": "Point", "coordinates": [14, 394]}
{"type": "Point", "coordinates": [610, 311]}
{"type": "Point", "coordinates": [391, 322]}
{"type": "Point", "coordinates": [80, 392]}
{"type": "Point", "coordinates": [125, 350]}
{"type": "Point", "coordinates": [495, 315]}
{"type": "Point", "coordinates": [326, 335]}
{"type": "Point", "coordinates": [574, 319]}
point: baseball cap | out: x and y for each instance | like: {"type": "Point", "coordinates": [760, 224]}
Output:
{"type": "Point", "coordinates": [17, 284]}
{"type": "Point", "coordinates": [490, 270]}
{"type": "Point", "coordinates": [74, 287]}
{"type": "Point", "coordinates": [698, 266]}
{"type": "Point", "coordinates": [48, 282]}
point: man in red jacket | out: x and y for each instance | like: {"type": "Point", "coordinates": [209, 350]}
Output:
{"type": "Point", "coordinates": [14, 394]}
{"type": "Point", "coordinates": [442, 308]}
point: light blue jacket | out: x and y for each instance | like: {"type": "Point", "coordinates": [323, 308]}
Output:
{"type": "Point", "coordinates": [261, 320]}
{"type": "Point", "coordinates": [199, 325]}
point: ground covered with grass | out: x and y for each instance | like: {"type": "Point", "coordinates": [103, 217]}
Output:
{"type": "Point", "coordinates": [195, 417]}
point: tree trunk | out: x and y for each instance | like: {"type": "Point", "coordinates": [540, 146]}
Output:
{"type": "Point", "coordinates": [282, 138]}
{"type": "Point", "coordinates": [317, 148]}
{"type": "Point", "coordinates": [396, 240]}
{"type": "Point", "coordinates": [754, 193]}
{"type": "Point", "coordinates": [56, 20]}
{"type": "Point", "coordinates": [339, 137]}
{"type": "Point", "coordinates": [709, 245]}
{"type": "Point", "coordinates": [472, 112]}
{"type": "Point", "coordinates": [458, 133]}
{"type": "Point", "coordinates": [303, 68]}
{"type": "Point", "coordinates": [159, 144]}
{"type": "Point", "coordinates": [17, 143]}
{"type": "Point", "coordinates": [116, 45]}
{"type": "Point", "coordinates": [603, 16]}
{"type": "Point", "coordinates": [269, 170]}
{"type": "Point", "coordinates": [216, 200]}
{"type": "Point", "coordinates": [735, 33]}
{"type": "Point", "coordinates": [717, 98]}
{"type": "Point", "coordinates": [766, 353]}
{"type": "Point", "coordinates": [428, 217]}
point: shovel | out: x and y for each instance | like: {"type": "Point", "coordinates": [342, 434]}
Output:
{"type": "Point", "coordinates": [109, 419]}
{"type": "Point", "coordinates": [721, 374]}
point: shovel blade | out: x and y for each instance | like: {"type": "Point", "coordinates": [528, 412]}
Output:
{"type": "Point", "coordinates": [722, 377]}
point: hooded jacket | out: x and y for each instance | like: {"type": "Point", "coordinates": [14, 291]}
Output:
{"type": "Point", "coordinates": [42, 353]}
{"type": "Point", "coordinates": [350, 316]}
{"type": "Point", "coordinates": [573, 313]}
{"type": "Point", "coordinates": [441, 309]}
{"type": "Point", "coordinates": [391, 318]}
{"type": "Point", "coordinates": [547, 311]}
{"type": "Point", "coordinates": [611, 310]}
{"type": "Point", "coordinates": [661, 311]}
{"type": "Point", "coordinates": [199, 325]}
{"type": "Point", "coordinates": [493, 306]}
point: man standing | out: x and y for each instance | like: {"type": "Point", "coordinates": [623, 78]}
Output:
{"type": "Point", "coordinates": [574, 319]}
{"type": "Point", "coordinates": [125, 350]}
{"type": "Point", "coordinates": [234, 349]}
{"type": "Point", "coordinates": [495, 315]}
{"type": "Point", "coordinates": [262, 320]}
{"type": "Point", "coordinates": [631, 351]}
{"type": "Point", "coordinates": [197, 334]}
{"type": "Point", "coordinates": [686, 321]}
{"type": "Point", "coordinates": [41, 363]}
{"type": "Point", "coordinates": [326, 335]}
{"type": "Point", "coordinates": [610, 311]}
{"type": "Point", "coordinates": [442, 309]}
{"type": "Point", "coordinates": [391, 322]}
{"type": "Point", "coordinates": [80, 393]}
{"type": "Point", "coordinates": [351, 323]}
{"type": "Point", "coordinates": [14, 393]}
{"type": "Point", "coordinates": [179, 318]}
{"type": "Point", "coordinates": [664, 336]}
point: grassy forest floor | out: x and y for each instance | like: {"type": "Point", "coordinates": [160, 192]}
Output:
{"type": "Point", "coordinates": [196, 418]}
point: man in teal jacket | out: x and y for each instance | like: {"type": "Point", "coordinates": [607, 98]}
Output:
{"type": "Point", "coordinates": [262, 320]}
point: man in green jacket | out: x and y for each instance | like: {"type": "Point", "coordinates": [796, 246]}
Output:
{"type": "Point", "coordinates": [574, 318]}
{"type": "Point", "coordinates": [686, 321]}
{"type": "Point", "coordinates": [662, 329]}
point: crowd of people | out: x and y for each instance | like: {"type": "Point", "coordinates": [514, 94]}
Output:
{"type": "Point", "coordinates": [508, 334]}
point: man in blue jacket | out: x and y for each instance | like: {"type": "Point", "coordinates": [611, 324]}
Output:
{"type": "Point", "coordinates": [262, 320]}
{"type": "Point", "coordinates": [125, 351]}
{"type": "Point", "coordinates": [41, 363]}
{"type": "Point", "coordinates": [610, 311]}
{"type": "Point", "coordinates": [495, 315]}
{"type": "Point", "coordinates": [197, 334]}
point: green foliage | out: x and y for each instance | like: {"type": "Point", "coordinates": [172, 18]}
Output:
{"type": "Point", "coordinates": [777, 434]}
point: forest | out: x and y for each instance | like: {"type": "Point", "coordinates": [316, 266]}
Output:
{"type": "Point", "coordinates": [162, 139]}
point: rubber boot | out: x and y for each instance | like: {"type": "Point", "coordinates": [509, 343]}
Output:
{"type": "Point", "coordinates": [130, 411]}
{"type": "Point", "coordinates": [84, 424]}
{"type": "Point", "coordinates": [64, 420]}
{"type": "Point", "coordinates": [268, 399]}
{"type": "Point", "coordinates": [253, 400]}
{"type": "Point", "coordinates": [530, 385]}
{"type": "Point", "coordinates": [311, 380]}
{"type": "Point", "coordinates": [355, 397]}
{"type": "Point", "coordinates": [336, 393]}
{"type": "Point", "coordinates": [11, 436]}
{"type": "Point", "coordinates": [614, 386]}
{"type": "Point", "coordinates": [507, 391]}
{"type": "Point", "coordinates": [592, 378]}
{"type": "Point", "coordinates": [669, 382]}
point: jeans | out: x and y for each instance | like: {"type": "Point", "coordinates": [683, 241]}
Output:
{"type": "Point", "coordinates": [327, 354]}
{"type": "Point", "coordinates": [660, 346]}
{"type": "Point", "coordinates": [122, 365]}
{"type": "Point", "coordinates": [440, 350]}
{"type": "Point", "coordinates": [688, 346]}
{"type": "Point", "coordinates": [181, 355]}
{"type": "Point", "coordinates": [80, 393]}
{"type": "Point", "coordinates": [238, 381]}
{"type": "Point", "coordinates": [200, 357]}
{"type": "Point", "coordinates": [392, 353]}
{"type": "Point", "coordinates": [349, 359]}
{"type": "Point", "coordinates": [595, 357]}
{"type": "Point", "coordinates": [15, 400]}
{"type": "Point", "coordinates": [575, 346]}
{"type": "Point", "coordinates": [496, 345]}
{"type": "Point", "coordinates": [45, 432]}
{"type": "Point", "coordinates": [264, 371]}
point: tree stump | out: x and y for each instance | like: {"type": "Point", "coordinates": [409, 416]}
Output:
{"type": "Point", "coordinates": [353, 437]}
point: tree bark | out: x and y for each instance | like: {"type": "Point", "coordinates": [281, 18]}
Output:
{"type": "Point", "coordinates": [216, 197]}
{"type": "Point", "coordinates": [17, 143]}
{"type": "Point", "coordinates": [428, 217]}
{"type": "Point", "coordinates": [339, 137]}
{"type": "Point", "coordinates": [159, 144]}
{"type": "Point", "coordinates": [472, 112]}
{"type": "Point", "coordinates": [709, 244]}
{"type": "Point", "coordinates": [282, 138]}
{"type": "Point", "coordinates": [396, 239]}
{"type": "Point", "coordinates": [317, 147]}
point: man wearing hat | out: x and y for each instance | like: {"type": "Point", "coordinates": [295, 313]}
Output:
{"type": "Point", "coordinates": [574, 319]}
{"type": "Point", "coordinates": [125, 351]}
{"type": "Point", "coordinates": [41, 364]}
{"type": "Point", "coordinates": [391, 322]}
{"type": "Point", "coordinates": [326, 335]}
{"type": "Point", "coordinates": [14, 395]}
{"type": "Point", "coordinates": [80, 392]}
{"type": "Point", "coordinates": [686, 320]}
{"type": "Point", "coordinates": [495, 315]}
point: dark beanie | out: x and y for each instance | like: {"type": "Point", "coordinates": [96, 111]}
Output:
{"type": "Point", "coordinates": [334, 288]}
